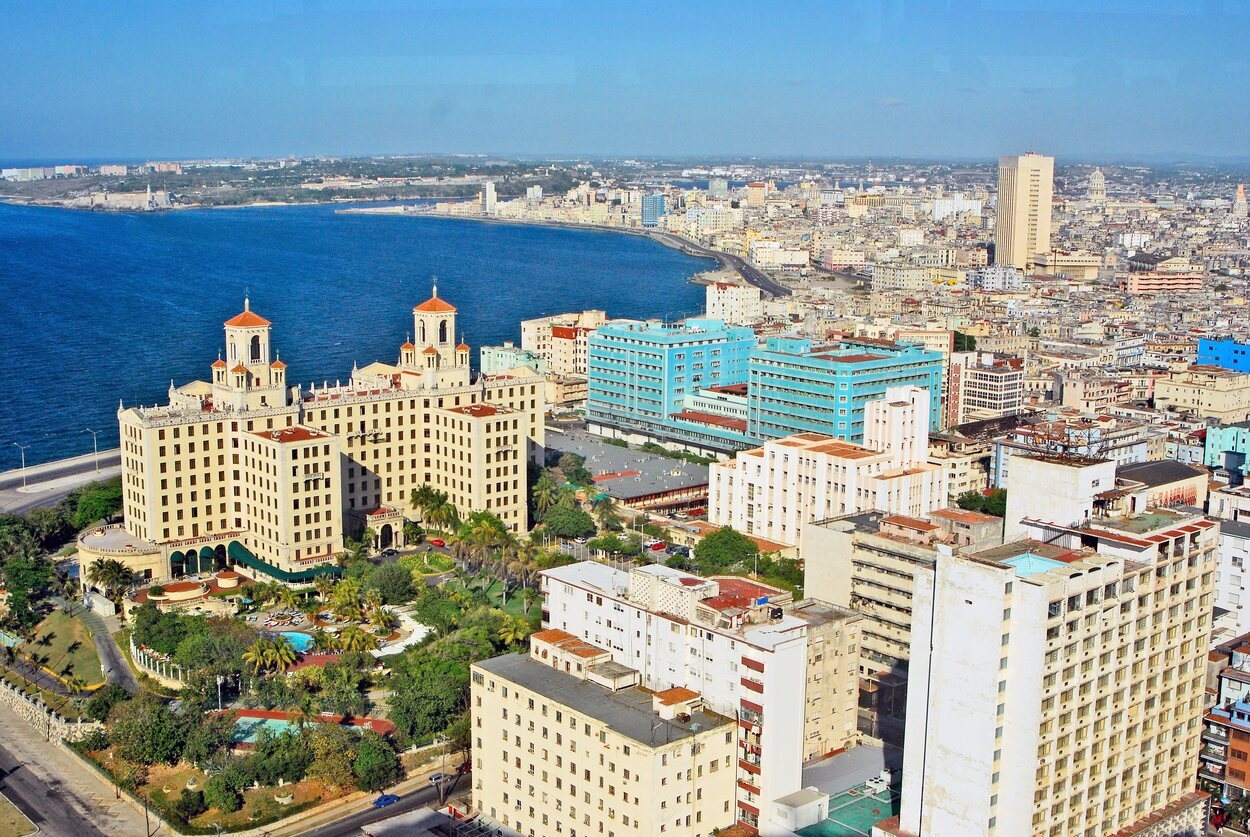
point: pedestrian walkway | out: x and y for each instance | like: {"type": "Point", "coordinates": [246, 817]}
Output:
{"type": "Point", "coordinates": [112, 660]}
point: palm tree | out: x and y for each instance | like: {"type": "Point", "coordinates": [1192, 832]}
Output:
{"type": "Point", "coordinates": [606, 512]}
{"type": "Point", "coordinates": [383, 618]}
{"type": "Point", "coordinates": [514, 631]}
{"type": "Point", "coordinates": [281, 655]}
{"type": "Point", "coordinates": [425, 498]}
{"type": "Point", "coordinates": [288, 598]}
{"type": "Point", "coordinates": [353, 638]}
{"type": "Point", "coordinates": [258, 655]}
{"type": "Point", "coordinates": [322, 640]}
{"type": "Point", "coordinates": [373, 600]}
{"type": "Point", "coordinates": [110, 575]}
{"type": "Point", "coordinates": [545, 494]}
{"type": "Point", "coordinates": [324, 585]}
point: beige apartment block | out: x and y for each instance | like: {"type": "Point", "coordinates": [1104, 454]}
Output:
{"type": "Point", "coordinates": [247, 470]}
{"type": "Point", "coordinates": [1025, 192]}
{"type": "Point", "coordinates": [1205, 392]}
{"type": "Point", "coordinates": [565, 742]}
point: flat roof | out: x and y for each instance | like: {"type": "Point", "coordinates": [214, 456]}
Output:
{"type": "Point", "coordinates": [1027, 564]}
{"type": "Point", "coordinates": [628, 712]}
{"type": "Point", "coordinates": [626, 474]}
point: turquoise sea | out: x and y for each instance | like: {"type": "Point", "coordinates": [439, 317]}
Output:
{"type": "Point", "coordinates": [99, 307]}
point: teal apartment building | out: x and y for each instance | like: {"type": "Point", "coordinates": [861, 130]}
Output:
{"type": "Point", "coordinates": [796, 386]}
{"type": "Point", "coordinates": [641, 373]}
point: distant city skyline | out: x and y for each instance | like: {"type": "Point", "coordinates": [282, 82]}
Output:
{"type": "Point", "coordinates": [1130, 81]}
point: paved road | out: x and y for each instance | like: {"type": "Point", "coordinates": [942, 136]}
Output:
{"type": "Point", "coordinates": [112, 660]}
{"type": "Point", "coordinates": [747, 271]}
{"type": "Point", "coordinates": [56, 791]}
{"type": "Point", "coordinates": [49, 483]}
{"type": "Point", "coordinates": [351, 825]}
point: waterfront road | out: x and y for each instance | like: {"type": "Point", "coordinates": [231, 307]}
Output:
{"type": "Point", "coordinates": [747, 271]}
{"type": "Point", "coordinates": [352, 824]}
{"type": "Point", "coordinates": [56, 791]}
{"type": "Point", "coordinates": [49, 483]}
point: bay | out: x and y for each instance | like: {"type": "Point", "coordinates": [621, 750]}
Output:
{"type": "Point", "coordinates": [99, 307]}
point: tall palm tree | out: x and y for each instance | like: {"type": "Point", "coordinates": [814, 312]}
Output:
{"type": "Point", "coordinates": [281, 655]}
{"type": "Point", "coordinates": [372, 600]}
{"type": "Point", "coordinates": [353, 638]}
{"type": "Point", "coordinates": [514, 631]}
{"type": "Point", "coordinates": [425, 498]}
{"type": "Point", "coordinates": [257, 656]}
{"type": "Point", "coordinates": [323, 640]}
{"type": "Point", "coordinates": [607, 513]}
{"type": "Point", "coordinates": [324, 585]}
{"type": "Point", "coordinates": [545, 494]}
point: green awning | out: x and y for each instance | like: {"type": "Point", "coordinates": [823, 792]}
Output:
{"type": "Point", "coordinates": [241, 555]}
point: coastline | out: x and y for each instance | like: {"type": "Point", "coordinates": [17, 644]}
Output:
{"type": "Point", "coordinates": [726, 261]}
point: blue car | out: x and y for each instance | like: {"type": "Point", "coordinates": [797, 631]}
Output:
{"type": "Point", "coordinates": [384, 800]}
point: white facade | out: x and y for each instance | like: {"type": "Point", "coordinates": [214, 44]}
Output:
{"type": "Point", "coordinates": [773, 491]}
{"type": "Point", "coordinates": [1231, 594]}
{"type": "Point", "coordinates": [562, 340]}
{"type": "Point", "coordinates": [997, 277]}
{"type": "Point", "coordinates": [899, 277]}
{"type": "Point", "coordinates": [735, 304]}
{"type": "Point", "coordinates": [733, 641]}
{"type": "Point", "coordinates": [1053, 489]}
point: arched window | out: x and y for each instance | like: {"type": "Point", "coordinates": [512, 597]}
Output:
{"type": "Point", "coordinates": [442, 331]}
{"type": "Point", "coordinates": [255, 348]}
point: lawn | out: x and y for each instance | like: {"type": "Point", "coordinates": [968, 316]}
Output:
{"type": "Point", "coordinates": [63, 645]}
{"type": "Point", "coordinates": [494, 594]}
{"type": "Point", "coordinates": [13, 823]}
{"type": "Point", "coordinates": [432, 563]}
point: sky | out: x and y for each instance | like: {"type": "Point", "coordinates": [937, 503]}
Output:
{"type": "Point", "coordinates": [1083, 79]}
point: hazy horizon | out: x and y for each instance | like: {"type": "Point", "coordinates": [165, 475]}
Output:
{"type": "Point", "coordinates": [1145, 81]}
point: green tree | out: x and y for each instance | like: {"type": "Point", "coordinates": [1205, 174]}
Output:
{"type": "Point", "coordinates": [377, 765]}
{"type": "Point", "coordinates": [964, 342]}
{"type": "Point", "coordinates": [971, 500]}
{"type": "Point", "coordinates": [27, 580]}
{"type": "Point", "coordinates": [145, 731]}
{"type": "Point", "coordinates": [207, 738]}
{"type": "Point", "coordinates": [102, 701]}
{"type": "Point", "coordinates": [545, 494]}
{"type": "Point", "coordinates": [95, 501]}
{"type": "Point", "coordinates": [607, 512]}
{"type": "Point", "coordinates": [220, 794]}
{"type": "Point", "coordinates": [514, 631]}
{"type": "Point", "coordinates": [189, 805]}
{"type": "Point", "coordinates": [568, 520]}
{"type": "Point", "coordinates": [392, 582]}
{"type": "Point", "coordinates": [427, 694]}
{"type": "Point", "coordinates": [334, 754]}
{"type": "Point", "coordinates": [724, 549]}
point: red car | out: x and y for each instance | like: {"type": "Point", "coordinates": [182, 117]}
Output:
{"type": "Point", "coordinates": [656, 547]}
{"type": "Point", "coordinates": [437, 542]}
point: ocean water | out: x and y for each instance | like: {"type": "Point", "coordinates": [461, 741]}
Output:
{"type": "Point", "coordinates": [99, 307]}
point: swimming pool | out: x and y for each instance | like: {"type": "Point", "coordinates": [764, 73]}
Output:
{"type": "Point", "coordinates": [246, 729]}
{"type": "Point", "coordinates": [300, 641]}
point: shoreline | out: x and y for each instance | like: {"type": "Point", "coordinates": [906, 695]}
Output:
{"type": "Point", "coordinates": [726, 261]}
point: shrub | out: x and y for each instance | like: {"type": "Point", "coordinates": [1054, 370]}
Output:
{"type": "Point", "coordinates": [190, 805]}
{"type": "Point", "coordinates": [220, 795]}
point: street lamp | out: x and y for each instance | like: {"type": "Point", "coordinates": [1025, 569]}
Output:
{"type": "Point", "coordinates": [22, 448]}
{"type": "Point", "coordinates": [95, 447]}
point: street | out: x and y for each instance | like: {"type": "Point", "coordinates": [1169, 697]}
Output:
{"type": "Point", "coordinates": [55, 790]}
{"type": "Point", "coordinates": [49, 483]}
{"type": "Point", "coordinates": [351, 825]}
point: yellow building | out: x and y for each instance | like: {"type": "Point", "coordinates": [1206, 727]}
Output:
{"type": "Point", "coordinates": [246, 470]}
{"type": "Point", "coordinates": [1025, 191]}
{"type": "Point", "coordinates": [566, 743]}
{"type": "Point", "coordinates": [1205, 392]}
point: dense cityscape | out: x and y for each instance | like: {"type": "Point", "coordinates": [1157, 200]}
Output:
{"type": "Point", "coordinates": [607, 420]}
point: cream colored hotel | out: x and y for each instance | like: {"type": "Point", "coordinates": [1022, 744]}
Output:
{"type": "Point", "coordinates": [248, 470]}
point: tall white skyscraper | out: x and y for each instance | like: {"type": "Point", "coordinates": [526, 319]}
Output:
{"type": "Point", "coordinates": [488, 197]}
{"type": "Point", "coordinates": [1025, 189]}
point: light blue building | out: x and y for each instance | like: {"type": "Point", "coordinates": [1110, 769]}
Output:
{"type": "Point", "coordinates": [1228, 446]}
{"type": "Point", "coordinates": [640, 374]}
{"type": "Point", "coordinates": [497, 359]}
{"type": "Point", "coordinates": [798, 386]}
{"type": "Point", "coordinates": [1227, 353]}
{"type": "Point", "coordinates": [653, 208]}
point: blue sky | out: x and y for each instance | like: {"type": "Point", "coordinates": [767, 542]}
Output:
{"type": "Point", "coordinates": [940, 78]}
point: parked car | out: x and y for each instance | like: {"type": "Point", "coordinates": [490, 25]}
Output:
{"type": "Point", "coordinates": [674, 549]}
{"type": "Point", "coordinates": [579, 540]}
{"type": "Point", "coordinates": [384, 800]}
{"type": "Point", "coordinates": [389, 553]}
{"type": "Point", "coordinates": [439, 778]}
{"type": "Point", "coordinates": [437, 542]}
{"type": "Point", "coordinates": [681, 516]}
{"type": "Point", "coordinates": [658, 546]}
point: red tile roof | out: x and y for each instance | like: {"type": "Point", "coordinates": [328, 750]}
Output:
{"type": "Point", "coordinates": [247, 319]}
{"type": "Point", "coordinates": [435, 305]}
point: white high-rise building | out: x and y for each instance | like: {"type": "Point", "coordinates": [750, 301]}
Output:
{"type": "Point", "coordinates": [533, 195]}
{"type": "Point", "coordinates": [1056, 684]}
{"type": "Point", "coordinates": [786, 670]}
{"type": "Point", "coordinates": [1025, 191]}
{"type": "Point", "coordinates": [488, 198]}
{"type": "Point", "coordinates": [735, 304]}
{"type": "Point", "coordinates": [773, 491]}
